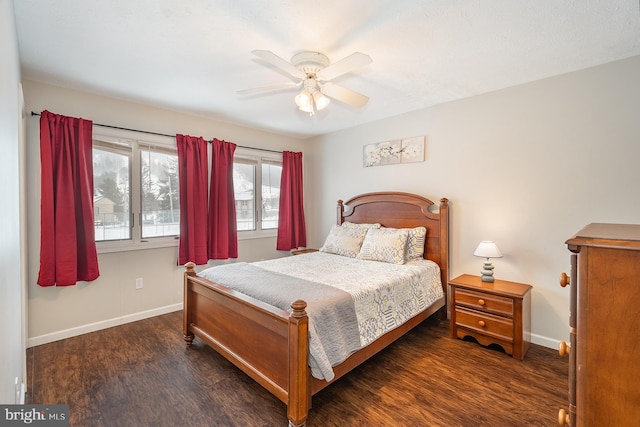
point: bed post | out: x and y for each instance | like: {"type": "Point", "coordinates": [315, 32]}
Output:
{"type": "Point", "coordinates": [444, 239]}
{"type": "Point", "coordinates": [299, 384]}
{"type": "Point", "coordinates": [340, 212]}
{"type": "Point", "coordinates": [189, 271]}
{"type": "Point", "coordinates": [444, 253]}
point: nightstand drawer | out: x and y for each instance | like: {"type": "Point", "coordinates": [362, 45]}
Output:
{"type": "Point", "coordinates": [486, 324]}
{"type": "Point", "coordinates": [485, 302]}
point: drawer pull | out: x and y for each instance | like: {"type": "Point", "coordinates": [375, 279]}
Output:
{"type": "Point", "coordinates": [564, 280]}
{"type": "Point", "coordinates": [564, 349]}
{"type": "Point", "coordinates": [563, 418]}
{"type": "Point", "coordinates": [481, 302]}
{"type": "Point", "coordinates": [481, 323]}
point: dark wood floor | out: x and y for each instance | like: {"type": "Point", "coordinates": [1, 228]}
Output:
{"type": "Point", "coordinates": [142, 374]}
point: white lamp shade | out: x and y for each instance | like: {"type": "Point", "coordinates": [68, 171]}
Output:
{"type": "Point", "coordinates": [487, 249]}
{"type": "Point", "coordinates": [303, 100]}
{"type": "Point", "coordinates": [320, 100]}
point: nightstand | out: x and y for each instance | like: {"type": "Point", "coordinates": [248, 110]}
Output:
{"type": "Point", "coordinates": [492, 313]}
{"type": "Point", "coordinates": [302, 251]}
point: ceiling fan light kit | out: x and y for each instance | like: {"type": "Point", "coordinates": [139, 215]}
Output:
{"type": "Point", "coordinates": [311, 101]}
{"type": "Point", "coordinates": [311, 98]}
{"type": "Point", "coordinates": [313, 70]}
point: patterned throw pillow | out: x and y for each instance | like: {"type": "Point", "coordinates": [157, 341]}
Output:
{"type": "Point", "coordinates": [415, 245]}
{"type": "Point", "coordinates": [345, 241]}
{"type": "Point", "coordinates": [356, 225]}
{"type": "Point", "coordinates": [385, 244]}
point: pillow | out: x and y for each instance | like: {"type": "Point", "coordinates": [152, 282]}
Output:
{"type": "Point", "coordinates": [356, 225]}
{"type": "Point", "coordinates": [385, 244]}
{"type": "Point", "coordinates": [415, 245]}
{"type": "Point", "coordinates": [345, 241]}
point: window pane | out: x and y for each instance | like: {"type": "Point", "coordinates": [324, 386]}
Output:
{"type": "Point", "coordinates": [111, 199]}
{"type": "Point", "coordinates": [271, 172]}
{"type": "Point", "coordinates": [160, 197]}
{"type": "Point", "coordinates": [244, 191]}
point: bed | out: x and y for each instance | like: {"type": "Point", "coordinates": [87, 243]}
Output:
{"type": "Point", "coordinates": [271, 344]}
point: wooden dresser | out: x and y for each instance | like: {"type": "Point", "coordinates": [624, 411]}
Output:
{"type": "Point", "coordinates": [604, 321]}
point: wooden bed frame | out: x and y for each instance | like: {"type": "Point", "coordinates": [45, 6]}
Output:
{"type": "Point", "coordinates": [270, 344]}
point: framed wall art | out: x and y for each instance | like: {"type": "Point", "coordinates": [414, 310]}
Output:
{"type": "Point", "coordinates": [409, 150]}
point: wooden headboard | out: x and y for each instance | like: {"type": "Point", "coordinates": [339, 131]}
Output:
{"type": "Point", "coordinates": [404, 210]}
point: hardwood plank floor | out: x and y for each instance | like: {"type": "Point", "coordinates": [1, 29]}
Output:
{"type": "Point", "coordinates": [143, 374]}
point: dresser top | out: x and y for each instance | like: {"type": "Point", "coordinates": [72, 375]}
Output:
{"type": "Point", "coordinates": [498, 287]}
{"type": "Point", "coordinates": [608, 235]}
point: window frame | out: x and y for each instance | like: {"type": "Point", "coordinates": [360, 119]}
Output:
{"type": "Point", "coordinates": [257, 157]}
{"type": "Point", "coordinates": [130, 137]}
{"type": "Point", "coordinates": [125, 149]}
{"type": "Point", "coordinates": [137, 145]}
{"type": "Point", "coordinates": [145, 147]}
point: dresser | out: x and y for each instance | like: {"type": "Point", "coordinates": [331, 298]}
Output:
{"type": "Point", "coordinates": [492, 313]}
{"type": "Point", "coordinates": [604, 322]}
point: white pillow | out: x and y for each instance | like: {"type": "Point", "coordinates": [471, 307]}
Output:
{"type": "Point", "coordinates": [385, 244]}
{"type": "Point", "coordinates": [345, 241]}
{"type": "Point", "coordinates": [415, 245]}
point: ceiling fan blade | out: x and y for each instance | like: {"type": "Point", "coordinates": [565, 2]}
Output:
{"type": "Point", "coordinates": [345, 95]}
{"type": "Point", "coordinates": [270, 88]}
{"type": "Point", "coordinates": [350, 63]}
{"type": "Point", "coordinates": [280, 63]}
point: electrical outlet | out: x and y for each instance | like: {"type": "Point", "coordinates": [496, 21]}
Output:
{"type": "Point", "coordinates": [139, 283]}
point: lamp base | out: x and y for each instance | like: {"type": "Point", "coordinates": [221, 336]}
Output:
{"type": "Point", "coordinates": [487, 272]}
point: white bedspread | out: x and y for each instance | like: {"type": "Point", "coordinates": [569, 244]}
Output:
{"type": "Point", "coordinates": [385, 295]}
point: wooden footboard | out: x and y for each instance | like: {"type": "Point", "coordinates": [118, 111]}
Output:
{"type": "Point", "coordinates": [268, 344]}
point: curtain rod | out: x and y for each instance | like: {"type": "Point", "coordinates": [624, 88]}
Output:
{"type": "Point", "coordinates": [33, 113]}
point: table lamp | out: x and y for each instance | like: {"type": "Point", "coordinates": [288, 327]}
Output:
{"type": "Point", "coordinates": [487, 249]}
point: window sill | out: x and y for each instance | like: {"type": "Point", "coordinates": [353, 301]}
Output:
{"type": "Point", "coordinates": [261, 234]}
{"type": "Point", "coordinates": [126, 246]}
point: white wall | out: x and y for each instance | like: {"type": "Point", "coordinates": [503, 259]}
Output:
{"type": "Point", "coordinates": [526, 167]}
{"type": "Point", "coordinates": [12, 262]}
{"type": "Point", "coordinates": [60, 312]}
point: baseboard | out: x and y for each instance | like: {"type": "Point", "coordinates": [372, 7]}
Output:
{"type": "Point", "coordinates": [92, 327]}
{"type": "Point", "coordinates": [544, 341]}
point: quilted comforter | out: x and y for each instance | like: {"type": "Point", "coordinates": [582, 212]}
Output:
{"type": "Point", "coordinates": [350, 302]}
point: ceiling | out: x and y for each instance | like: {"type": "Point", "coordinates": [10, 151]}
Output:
{"type": "Point", "coordinates": [193, 56]}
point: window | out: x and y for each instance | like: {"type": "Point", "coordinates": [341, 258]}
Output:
{"type": "Point", "coordinates": [271, 172]}
{"type": "Point", "coordinates": [136, 198]}
{"type": "Point", "coordinates": [136, 192]}
{"type": "Point", "coordinates": [160, 201]}
{"type": "Point", "coordinates": [111, 195]}
{"type": "Point", "coordinates": [257, 192]}
{"type": "Point", "coordinates": [244, 184]}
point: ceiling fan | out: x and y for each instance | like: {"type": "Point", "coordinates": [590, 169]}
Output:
{"type": "Point", "coordinates": [312, 71]}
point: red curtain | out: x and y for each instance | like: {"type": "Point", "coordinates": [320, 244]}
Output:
{"type": "Point", "coordinates": [291, 225]}
{"type": "Point", "coordinates": [67, 238]}
{"type": "Point", "coordinates": [223, 230]}
{"type": "Point", "coordinates": [193, 174]}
